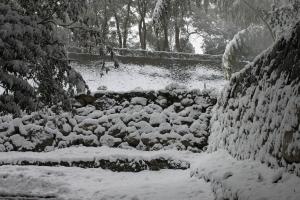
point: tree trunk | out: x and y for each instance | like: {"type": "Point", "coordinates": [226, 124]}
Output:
{"type": "Point", "coordinates": [177, 36]}
{"type": "Point", "coordinates": [126, 23]}
{"type": "Point", "coordinates": [144, 46]}
{"type": "Point", "coordinates": [141, 33]}
{"type": "Point", "coordinates": [142, 9]}
{"type": "Point", "coordinates": [105, 24]}
{"type": "Point", "coordinates": [118, 29]}
{"type": "Point", "coordinates": [157, 41]}
{"type": "Point", "coordinates": [166, 46]}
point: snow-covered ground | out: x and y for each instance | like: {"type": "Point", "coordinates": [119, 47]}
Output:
{"type": "Point", "coordinates": [245, 179]}
{"type": "Point", "coordinates": [130, 77]}
{"type": "Point", "coordinates": [76, 183]}
{"type": "Point", "coordinates": [229, 178]}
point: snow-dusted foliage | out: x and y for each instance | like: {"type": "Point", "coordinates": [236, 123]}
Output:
{"type": "Point", "coordinates": [159, 11]}
{"type": "Point", "coordinates": [284, 16]}
{"type": "Point", "coordinates": [243, 12]}
{"type": "Point", "coordinates": [146, 120]}
{"type": "Point", "coordinates": [33, 65]}
{"type": "Point", "coordinates": [245, 45]}
{"type": "Point", "coordinates": [257, 116]}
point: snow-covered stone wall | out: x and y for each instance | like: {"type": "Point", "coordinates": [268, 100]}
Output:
{"type": "Point", "coordinates": [258, 114]}
{"type": "Point", "coordinates": [147, 120]}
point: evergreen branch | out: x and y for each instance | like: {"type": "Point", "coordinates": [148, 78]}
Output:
{"type": "Point", "coordinates": [261, 17]}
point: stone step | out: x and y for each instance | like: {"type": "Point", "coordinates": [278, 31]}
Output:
{"type": "Point", "coordinates": [10, 196]}
{"type": "Point", "coordinates": [87, 157]}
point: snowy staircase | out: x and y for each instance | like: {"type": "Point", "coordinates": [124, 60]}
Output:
{"type": "Point", "coordinates": [120, 160]}
{"type": "Point", "coordinates": [11, 196]}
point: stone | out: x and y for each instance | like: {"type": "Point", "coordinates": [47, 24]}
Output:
{"type": "Point", "coordinates": [187, 102]}
{"type": "Point", "coordinates": [139, 101]}
{"type": "Point", "coordinates": [133, 139]}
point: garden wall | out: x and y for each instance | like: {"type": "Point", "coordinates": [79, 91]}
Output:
{"type": "Point", "coordinates": [258, 115]}
{"type": "Point", "coordinates": [145, 120]}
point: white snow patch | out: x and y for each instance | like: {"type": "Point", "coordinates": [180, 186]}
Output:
{"type": "Point", "coordinates": [247, 179]}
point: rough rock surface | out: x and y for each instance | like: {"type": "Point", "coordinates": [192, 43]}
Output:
{"type": "Point", "coordinates": [145, 120]}
{"type": "Point", "coordinates": [258, 115]}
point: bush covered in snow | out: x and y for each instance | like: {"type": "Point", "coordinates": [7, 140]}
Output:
{"type": "Point", "coordinates": [146, 120]}
{"type": "Point", "coordinates": [284, 17]}
{"type": "Point", "coordinates": [257, 116]}
{"type": "Point", "coordinates": [244, 47]}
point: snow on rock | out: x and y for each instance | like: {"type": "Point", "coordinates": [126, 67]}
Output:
{"type": "Point", "coordinates": [157, 118]}
{"type": "Point", "coordinates": [104, 157]}
{"type": "Point", "coordinates": [229, 178]}
{"type": "Point", "coordinates": [67, 128]}
{"type": "Point", "coordinates": [110, 141]}
{"type": "Point", "coordinates": [257, 115]}
{"type": "Point", "coordinates": [139, 101]}
{"type": "Point", "coordinates": [232, 179]}
{"type": "Point", "coordinates": [134, 118]}
{"type": "Point", "coordinates": [187, 102]}
{"type": "Point", "coordinates": [21, 143]}
{"type": "Point", "coordinates": [164, 128]}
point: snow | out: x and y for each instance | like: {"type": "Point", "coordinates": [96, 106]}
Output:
{"type": "Point", "coordinates": [247, 179]}
{"type": "Point", "coordinates": [77, 183]}
{"type": "Point", "coordinates": [187, 102]}
{"type": "Point", "coordinates": [139, 101]}
{"type": "Point", "coordinates": [130, 77]}
{"type": "Point", "coordinates": [117, 119]}
{"type": "Point", "coordinates": [244, 47]}
{"type": "Point", "coordinates": [20, 141]}
{"type": "Point", "coordinates": [159, 10]}
{"type": "Point", "coordinates": [86, 184]}
{"type": "Point", "coordinates": [257, 118]}
{"type": "Point", "coordinates": [157, 118]}
{"type": "Point", "coordinates": [197, 41]}
{"type": "Point", "coordinates": [227, 177]}
{"type": "Point", "coordinates": [93, 153]}
{"type": "Point", "coordinates": [257, 115]}
{"type": "Point", "coordinates": [110, 141]}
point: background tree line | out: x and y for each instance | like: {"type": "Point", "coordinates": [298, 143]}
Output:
{"type": "Point", "coordinates": [115, 23]}
{"type": "Point", "coordinates": [34, 35]}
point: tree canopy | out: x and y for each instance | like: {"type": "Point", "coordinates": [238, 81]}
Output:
{"type": "Point", "coordinates": [34, 69]}
{"type": "Point", "coordinates": [34, 37]}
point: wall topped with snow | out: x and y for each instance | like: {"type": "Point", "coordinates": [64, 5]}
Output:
{"type": "Point", "coordinates": [258, 115]}
{"type": "Point", "coordinates": [145, 120]}
{"type": "Point", "coordinates": [172, 94]}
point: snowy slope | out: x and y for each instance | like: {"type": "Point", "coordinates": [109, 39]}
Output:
{"type": "Point", "coordinates": [247, 179]}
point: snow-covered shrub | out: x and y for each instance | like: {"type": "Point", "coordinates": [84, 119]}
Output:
{"type": "Point", "coordinates": [245, 45]}
{"type": "Point", "coordinates": [284, 16]}
{"type": "Point", "coordinates": [159, 11]}
{"type": "Point", "coordinates": [257, 116]}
